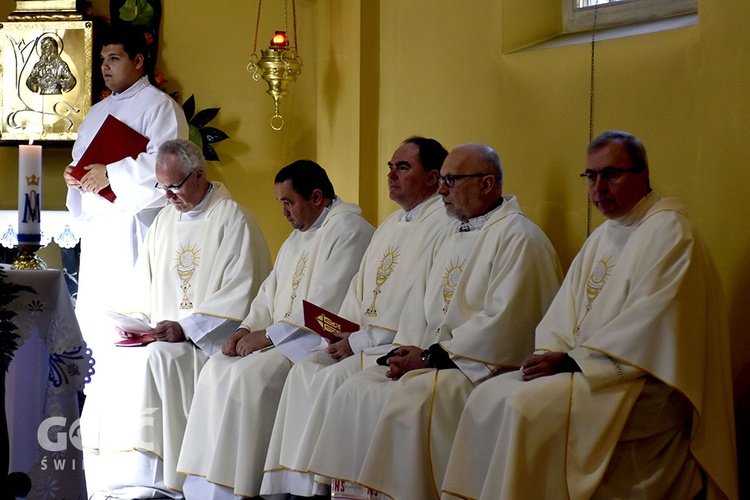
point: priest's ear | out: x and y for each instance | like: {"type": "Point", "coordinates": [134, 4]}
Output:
{"type": "Point", "coordinates": [432, 177]}
{"type": "Point", "coordinates": [316, 197]}
{"type": "Point", "coordinates": [490, 183]}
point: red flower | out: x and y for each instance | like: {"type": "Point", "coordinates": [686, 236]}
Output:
{"type": "Point", "coordinates": [160, 78]}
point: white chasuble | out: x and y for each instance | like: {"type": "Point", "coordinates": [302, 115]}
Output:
{"type": "Point", "coordinates": [236, 398]}
{"type": "Point", "coordinates": [114, 232]}
{"type": "Point", "coordinates": [484, 294]}
{"type": "Point", "coordinates": [211, 267]}
{"type": "Point", "coordinates": [640, 311]}
{"type": "Point", "coordinates": [375, 299]}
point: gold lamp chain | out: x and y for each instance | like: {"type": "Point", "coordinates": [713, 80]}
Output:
{"type": "Point", "coordinates": [591, 115]}
{"type": "Point", "coordinates": [294, 21]}
{"type": "Point", "coordinates": [257, 27]}
{"type": "Point", "coordinates": [286, 24]}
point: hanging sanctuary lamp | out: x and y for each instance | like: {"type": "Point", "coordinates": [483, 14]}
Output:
{"type": "Point", "coordinates": [279, 64]}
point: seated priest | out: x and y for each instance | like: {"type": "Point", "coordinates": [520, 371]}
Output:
{"type": "Point", "coordinates": [204, 260]}
{"type": "Point", "coordinates": [469, 316]}
{"type": "Point", "coordinates": [376, 297]}
{"type": "Point", "coordinates": [315, 263]}
{"type": "Point", "coordinates": [629, 392]}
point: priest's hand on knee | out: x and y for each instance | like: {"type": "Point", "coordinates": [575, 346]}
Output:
{"type": "Point", "coordinates": [548, 363]}
{"type": "Point", "coordinates": [168, 331]}
{"type": "Point", "coordinates": [230, 345]}
{"type": "Point", "coordinates": [404, 359]}
{"type": "Point", "coordinates": [252, 342]}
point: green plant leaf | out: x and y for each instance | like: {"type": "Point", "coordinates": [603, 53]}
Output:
{"type": "Point", "coordinates": [128, 11]}
{"type": "Point", "coordinates": [204, 116]}
{"type": "Point", "coordinates": [195, 136]}
{"type": "Point", "coordinates": [213, 135]}
{"type": "Point", "coordinates": [189, 108]}
{"type": "Point", "coordinates": [145, 14]}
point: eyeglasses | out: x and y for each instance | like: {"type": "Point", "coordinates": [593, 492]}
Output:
{"type": "Point", "coordinates": [608, 174]}
{"type": "Point", "coordinates": [450, 180]}
{"type": "Point", "coordinates": [173, 189]}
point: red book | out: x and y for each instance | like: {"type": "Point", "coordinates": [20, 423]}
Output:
{"type": "Point", "coordinates": [136, 341]}
{"type": "Point", "coordinates": [325, 323]}
{"type": "Point", "coordinates": [113, 142]}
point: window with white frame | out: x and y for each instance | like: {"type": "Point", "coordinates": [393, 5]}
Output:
{"type": "Point", "coordinates": [580, 15]}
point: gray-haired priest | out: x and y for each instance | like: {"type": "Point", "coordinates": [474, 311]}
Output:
{"type": "Point", "coordinates": [203, 262]}
{"type": "Point", "coordinates": [629, 394]}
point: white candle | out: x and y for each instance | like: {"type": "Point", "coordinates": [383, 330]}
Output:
{"type": "Point", "coordinates": [29, 194]}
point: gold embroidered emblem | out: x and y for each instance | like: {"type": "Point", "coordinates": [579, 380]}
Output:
{"type": "Point", "coordinates": [327, 324]}
{"type": "Point", "coordinates": [299, 272]}
{"type": "Point", "coordinates": [594, 285]}
{"type": "Point", "coordinates": [387, 263]}
{"type": "Point", "coordinates": [187, 262]}
{"type": "Point", "coordinates": [450, 280]}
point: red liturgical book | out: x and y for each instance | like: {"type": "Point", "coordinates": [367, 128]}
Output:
{"type": "Point", "coordinates": [113, 142]}
{"type": "Point", "coordinates": [136, 341]}
{"type": "Point", "coordinates": [325, 323]}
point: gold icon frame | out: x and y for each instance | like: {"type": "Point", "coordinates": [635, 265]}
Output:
{"type": "Point", "coordinates": [28, 115]}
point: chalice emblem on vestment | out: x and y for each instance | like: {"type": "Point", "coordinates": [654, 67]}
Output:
{"type": "Point", "coordinates": [387, 263]}
{"type": "Point", "coordinates": [450, 280]}
{"type": "Point", "coordinates": [594, 286]}
{"type": "Point", "coordinates": [299, 272]}
{"type": "Point", "coordinates": [187, 262]}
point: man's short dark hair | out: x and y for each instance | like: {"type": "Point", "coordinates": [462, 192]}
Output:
{"type": "Point", "coordinates": [306, 177]}
{"type": "Point", "coordinates": [133, 42]}
{"type": "Point", "coordinates": [432, 154]}
{"type": "Point", "coordinates": [633, 146]}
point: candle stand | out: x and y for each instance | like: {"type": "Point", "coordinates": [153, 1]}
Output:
{"type": "Point", "coordinates": [27, 258]}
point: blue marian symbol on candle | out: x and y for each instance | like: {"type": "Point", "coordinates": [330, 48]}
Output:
{"type": "Point", "coordinates": [31, 212]}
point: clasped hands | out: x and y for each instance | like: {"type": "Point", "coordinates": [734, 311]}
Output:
{"type": "Point", "coordinates": [94, 180]}
{"type": "Point", "coordinates": [244, 342]}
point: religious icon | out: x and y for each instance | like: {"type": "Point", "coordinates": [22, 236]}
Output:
{"type": "Point", "coordinates": [46, 79]}
{"type": "Point", "coordinates": [50, 75]}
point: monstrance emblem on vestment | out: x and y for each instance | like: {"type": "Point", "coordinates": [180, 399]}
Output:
{"type": "Point", "coordinates": [387, 263]}
{"type": "Point", "coordinates": [187, 262]}
{"type": "Point", "coordinates": [299, 272]}
{"type": "Point", "coordinates": [594, 285]}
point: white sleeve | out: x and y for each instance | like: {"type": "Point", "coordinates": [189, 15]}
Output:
{"type": "Point", "coordinates": [197, 328]}
{"type": "Point", "coordinates": [601, 370]}
{"type": "Point", "coordinates": [370, 336]}
{"type": "Point", "coordinates": [293, 342]}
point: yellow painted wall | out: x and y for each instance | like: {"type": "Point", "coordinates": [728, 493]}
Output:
{"type": "Point", "coordinates": [447, 70]}
{"type": "Point", "coordinates": [379, 71]}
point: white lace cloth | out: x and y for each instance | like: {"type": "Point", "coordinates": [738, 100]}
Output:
{"type": "Point", "coordinates": [57, 225]}
{"type": "Point", "coordinates": [51, 364]}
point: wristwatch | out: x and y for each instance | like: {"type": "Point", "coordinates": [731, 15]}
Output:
{"type": "Point", "coordinates": [427, 358]}
{"type": "Point", "coordinates": [268, 338]}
